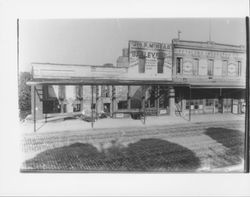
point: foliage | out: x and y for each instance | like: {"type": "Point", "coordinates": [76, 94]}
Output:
{"type": "Point", "coordinates": [24, 94]}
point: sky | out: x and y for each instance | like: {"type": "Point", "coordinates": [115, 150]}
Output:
{"type": "Point", "coordinates": [100, 41]}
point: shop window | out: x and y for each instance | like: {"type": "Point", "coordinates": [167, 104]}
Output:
{"type": "Point", "coordinates": [210, 68]}
{"type": "Point", "coordinates": [179, 62]}
{"type": "Point", "coordinates": [224, 67]}
{"type": "Point", "coordinates": [122, 105]}
{"type": "Point", "coordinates": [142, 62]}
{"type": "Point", "coordinates": [239, 68]}
{"type": "Point", "coordinates": [197, 103]}
{"type": "Point", "coordinates": [196, 67]}
{"type": "Point", "coordinates": [216, 103]}
{"type": "Point", "coordinates": [209, 102]}
{"type": "Point", "coordinates": [187, 104]}
{"type": "Point", "coordinates": [160, 64]}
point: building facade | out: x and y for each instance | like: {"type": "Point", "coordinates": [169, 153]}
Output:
{"type": "Point", "coordinates": [162, 79]}
{"type": "Point", "coordinates": [216, 74]}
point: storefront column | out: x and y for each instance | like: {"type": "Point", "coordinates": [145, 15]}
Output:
{"type": "Point", "coordinates": [143, 102]}
{"type": "Point", "coordinates": [97, 99]}
{"type": "Point", "coordinates": [157, 102]}
{"type": "Point", "coordinates": [183, 105]}
{"type": "Point", "coordinates": [81, 99]}
{"type": "Point", "coordinates": [171, 101]}
{"type": "Point", "coordinates": [113, 102]}
{"type": "Point", "coordinates": [129, 97]}
{"type": "Point", "coordinates": [92, 104]}
{"type": "Point", "coordinates": [61, 92]}
{"type": "Point", "coordinates": [221, 104]}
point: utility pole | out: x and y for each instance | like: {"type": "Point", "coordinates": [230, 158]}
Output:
{"type": "Point", "coordinates": [210, 30]}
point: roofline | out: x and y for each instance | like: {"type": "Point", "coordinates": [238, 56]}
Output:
{"type": "Point", "coordinates": [61, 64]}
{"type": "Point", "coordinates": [209, 42]}
{"type": "Point", "coordinates": [149, 41]}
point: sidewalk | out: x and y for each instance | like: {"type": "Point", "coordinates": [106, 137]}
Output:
{"type": "Point", "coordinates": [59, 125]}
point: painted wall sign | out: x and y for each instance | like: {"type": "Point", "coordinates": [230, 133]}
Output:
{"type": "Point", "coordinates": [152, 52]}
{"type": "Point", "coordinates": [232, 70]}
{"type": "Point", "coordinates": [210, 54]}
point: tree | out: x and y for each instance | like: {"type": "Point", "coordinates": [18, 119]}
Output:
{"type": "Point", "coordinates": [24, 94]}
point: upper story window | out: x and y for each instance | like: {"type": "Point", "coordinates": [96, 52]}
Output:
{"type": "Point", "coordinates": [179, 63]}
{"type": "Point", "coordinates": [224, 67]}
{"type": "Point", "coordinates": [210, 68]}
{"type": "Point", "coordinates": [160, 64]}
{"type": "Point", "coordinates": [142, 62]}
{"type": "Point", "coordinates": [239, 67]}
{"type": "Point", "coordinates": [196, 67]}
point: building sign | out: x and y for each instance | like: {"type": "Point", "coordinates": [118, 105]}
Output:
{"type": "Point", "coordinates": [209, 54]}
{"type": "Point", "coordinates": [150, 50]}
{"type": "Point", "coordinates": [232, 71]}
{"type": "Point", "coordinates": [153, 52]}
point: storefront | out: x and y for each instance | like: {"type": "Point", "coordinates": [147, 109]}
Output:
{"type": "Point", "coordinates": [211, 100]}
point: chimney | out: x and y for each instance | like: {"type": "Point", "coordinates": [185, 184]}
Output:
{"type": "Point", "coordinates": [125, 52]}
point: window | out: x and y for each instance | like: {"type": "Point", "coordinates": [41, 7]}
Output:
{"type": "Point", "coordinates": [196, 67]}
{"type": "Point", "coordinates": [142, 61]}
{"type": "Point", "coordinates": [239, 69]}
{"type": "Point", "coordinates": [187, 104]}
{"type": "Point", "coordinates": [122, 105]}
{"type": "Point", "coordinates": [224, 67]}
{"type": "Point", "coordinates": [209, 102]}
{"type": "Point", "coordinates": [160, 64]}
{"type": "Point", "coordinates": [179, 65]}
{"type": "Point", "coordinates": [210, 68]}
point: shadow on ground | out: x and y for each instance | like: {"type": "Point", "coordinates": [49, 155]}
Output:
{"type": "Point", "coordinates": [145, 155]}
{"type": "Point", "coordinates": [232, 139]}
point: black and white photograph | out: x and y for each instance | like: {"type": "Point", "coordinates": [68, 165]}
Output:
{"type": "Point", "coordinates": [132, 95]}
{"type": "Point", "coordinates": [124, 98]}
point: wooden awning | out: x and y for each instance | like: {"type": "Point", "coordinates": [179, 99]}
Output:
{"type": "Point", "coordinates": [218, 85]}
{"type": "Point", "coordinates": [102, 81]}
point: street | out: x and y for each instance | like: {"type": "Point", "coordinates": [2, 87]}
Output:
{"type": "Point", "coordinates": [189, 147]}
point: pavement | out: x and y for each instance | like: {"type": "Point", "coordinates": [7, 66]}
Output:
{"type": "Point", "coordinates": [60, 124]}
{"type": "Point", "coordinates": [209, 143]}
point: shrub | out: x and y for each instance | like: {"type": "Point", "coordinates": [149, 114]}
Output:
{"type": "Point", "coordinates": [24, 94]}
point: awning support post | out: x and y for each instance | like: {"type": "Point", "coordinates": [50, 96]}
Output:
{"type": "Point", "coordinates": [143, 104]}
{"type": "Point", "coordinates": [34, 107]}
{"type": "Point", "coordinates": [92, 108]}
{"type": "Point", "coordinates": [190, 97]}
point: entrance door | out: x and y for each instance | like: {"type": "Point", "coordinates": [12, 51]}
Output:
{"type": "Point", "coordinates": [227, 105]}
{"type": "Point", "coordinates": [106, 108]}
